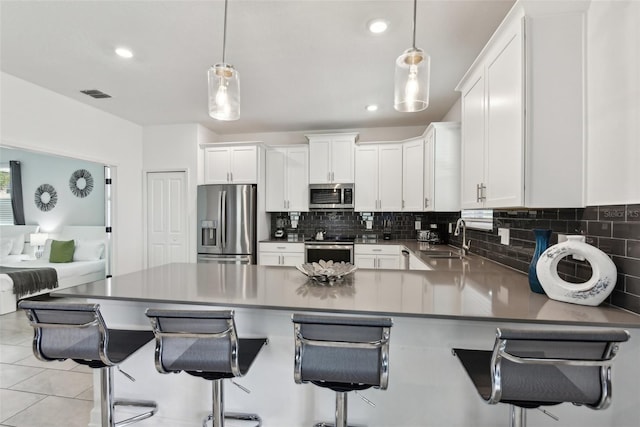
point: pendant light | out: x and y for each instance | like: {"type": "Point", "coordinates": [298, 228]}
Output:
{"type": "Point", "coordinates": [411, 89]}
{"type": "Point", "coordinates": [224, 85]}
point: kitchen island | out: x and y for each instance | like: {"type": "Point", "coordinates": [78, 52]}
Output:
{"type": "Point", "coordinates": [433, 311]}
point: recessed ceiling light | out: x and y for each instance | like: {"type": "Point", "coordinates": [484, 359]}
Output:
{"type": "Point", "coordinates": [123, 52]}
{"type": "Point", "coordinates": [371, 107]}
{"type": "Point", "coordinates": [377, 26]}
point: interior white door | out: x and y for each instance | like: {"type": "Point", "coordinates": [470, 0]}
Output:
{"type": "Point", "coordinates": [167, 233]}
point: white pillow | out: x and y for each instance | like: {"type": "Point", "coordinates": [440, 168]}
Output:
{"type": "Point", "coordinates": [6, 243]}
{"type": "Point", "coordinates": [88, 250]}
{"type": "Point", "coordinates": [18, 244]}
{"type": "Point", "coordinates": [46, 252]}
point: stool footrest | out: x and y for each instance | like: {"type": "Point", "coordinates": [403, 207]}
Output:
{"type": "Point", "coordinates": [152, 406]}
{"type": "Point", "coordinates": [241, 416]}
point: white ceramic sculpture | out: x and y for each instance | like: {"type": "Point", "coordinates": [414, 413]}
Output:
{"type": "Point", "coordinates": [591, 292]}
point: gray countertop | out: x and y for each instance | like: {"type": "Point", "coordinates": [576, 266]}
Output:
{"type": "Point", "coordinates": [475, 289]}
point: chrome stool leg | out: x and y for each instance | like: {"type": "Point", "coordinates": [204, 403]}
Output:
{"type": "Point", "coordinates": [217, 390]}
{"type": "Point", "coordinates": [108, 404]}
{"type": "Point", "coordinates": [517, 416]}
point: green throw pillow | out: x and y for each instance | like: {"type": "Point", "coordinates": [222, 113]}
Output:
{"type": "Point", "coordinates": [62, 251]}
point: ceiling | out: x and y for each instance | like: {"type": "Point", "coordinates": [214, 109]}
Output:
{"type": "Point", "coordinates": [304, 65]}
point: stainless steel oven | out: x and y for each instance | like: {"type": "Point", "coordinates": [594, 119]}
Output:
{"type": "Point", "coordinates": [328, 250]}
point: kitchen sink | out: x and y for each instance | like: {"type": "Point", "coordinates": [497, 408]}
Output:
{"type": "Point", "coordinates": [442, 254]}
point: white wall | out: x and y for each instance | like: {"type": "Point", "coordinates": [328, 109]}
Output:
{"type": "Point", "coordinates": [455, 112]}
{"type": "Point", "coordinates": [34, 118]}
{"type": "Point", "coordinates": [38, 169]}
{"type": "Point", "coordinates": [176, 147]}
{"type": "Point", "coordinates": [613, 102]}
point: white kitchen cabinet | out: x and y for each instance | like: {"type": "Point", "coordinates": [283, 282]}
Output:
{"type": "Point", "coordinates": [281, 253]}
{"type": "Point", "coordinates": [523, 111]}
{"type": "Point", "coordinates": [236, 164]}
{"type": "Point", "coordinates": [287, 179]}
{"type": "Point", "coordinates": [383, 257]}
{"type": "Point", "coordinates": [331, 158]}
{"type": "Point", "coordinates": [413, 169]}
{"type": "Point", "coordinates": [442, 167]}
{"type": "Point", "coordinates": [378, 183]}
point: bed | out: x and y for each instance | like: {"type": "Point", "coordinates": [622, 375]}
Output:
{"type": "Point", "coordinates": [88, 262]}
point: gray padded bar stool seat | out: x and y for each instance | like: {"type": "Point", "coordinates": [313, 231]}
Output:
{"type": "Point", "coordinates": [205, 344]}
{"type": "Point", "coordinates": [532, 368]}
{"type": "Point", "coordinates": [343, 354]}
{"type": "Point", "coordinates": [77, 331]}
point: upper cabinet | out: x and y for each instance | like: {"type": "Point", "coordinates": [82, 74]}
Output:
{"type": "Point", "coordinates": [287, 178]}
{"type": "Point", "coordinates": [237, 164]}
{"type": "Point", "coordinates": [522, 112]}
{"type": "Point", "coordinates": [442, 167]}
{"type": "Point", "coordinates": [413, 168]}
{"type": "Point", "coordinates": [431, 169]}
{"type": "Point", "coordinates": [331, 158]}
{"type": "Point", "coordinates": [378, 184]}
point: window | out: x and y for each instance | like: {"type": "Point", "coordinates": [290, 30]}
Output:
{"type": "Point", "coordinates": [6, 212]}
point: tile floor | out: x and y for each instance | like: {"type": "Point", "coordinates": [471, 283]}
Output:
{"type": "Point", "coordinates": [35, 393]}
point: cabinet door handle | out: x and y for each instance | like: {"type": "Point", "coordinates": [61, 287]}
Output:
{"type": "Point", "coordinates": [329, 176]}
{"type": "Point", "coordinates": [478, 192]}
{"type": "Point", "coordinates": [483, 193]}
{"type": "Point", "coordinates": [426, 202]}
{"type": "Point", "coordinates": [231, 175]}
{"type": "Point", "coordinates": [376, 250]}
{"type": "Point", "coordinates": [281, 247]}
{"type": "Point", "coordinates": [332, 176]}
{"type": "Point", "coordinates": [403, 204]}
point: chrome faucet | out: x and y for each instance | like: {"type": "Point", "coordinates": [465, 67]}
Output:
{"type": "Point", "coordinates": [465, 245]}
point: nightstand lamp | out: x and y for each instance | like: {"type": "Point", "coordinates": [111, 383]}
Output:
{"type": "Point", "coordinates": [38, 240]}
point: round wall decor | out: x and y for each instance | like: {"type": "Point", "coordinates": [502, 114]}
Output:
{"type": "Point", "coordinates": [81, 183]}
{"type": "Point", "coordinates": [46, 197]}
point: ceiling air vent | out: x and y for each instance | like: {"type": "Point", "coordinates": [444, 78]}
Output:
{"type": "Point", "coordinates": [95, 93]}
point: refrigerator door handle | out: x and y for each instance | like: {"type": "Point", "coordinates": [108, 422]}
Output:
{"type": "Point", "coordinates": [223, 219]}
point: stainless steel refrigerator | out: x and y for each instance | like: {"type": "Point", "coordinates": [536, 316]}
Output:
{"type": "Point", "coordinates": [227, 223]}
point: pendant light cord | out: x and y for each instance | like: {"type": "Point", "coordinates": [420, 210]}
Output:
{"type": "Point", "coordinates": [224, 34]}
{"type": "Point", "coordinates": [415, 8]}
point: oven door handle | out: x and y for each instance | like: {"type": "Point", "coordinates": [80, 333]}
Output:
{"type": "Point", "coordinates": [329, 246]}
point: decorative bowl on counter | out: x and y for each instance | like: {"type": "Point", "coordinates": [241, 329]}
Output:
{"type": "Point", "coordinates": [327, 272]}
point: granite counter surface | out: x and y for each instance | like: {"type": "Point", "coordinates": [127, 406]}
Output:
{"type": "Point", "coordinates": [474, 289]}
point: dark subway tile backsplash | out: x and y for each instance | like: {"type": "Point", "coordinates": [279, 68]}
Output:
{"type": "Point", "coordinates": [613, 229]}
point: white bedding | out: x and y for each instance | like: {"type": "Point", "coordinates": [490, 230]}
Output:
{"type": "Point", "coordinates": [65, 270]}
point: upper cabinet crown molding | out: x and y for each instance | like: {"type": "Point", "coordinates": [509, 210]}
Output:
{"type": "Point", "coordinates": [523, 127]}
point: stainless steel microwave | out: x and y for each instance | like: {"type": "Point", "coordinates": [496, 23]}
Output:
{"type": "Point", "coordinates": [331, 196]}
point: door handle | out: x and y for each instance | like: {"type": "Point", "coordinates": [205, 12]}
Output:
{"type": "Point", "coordinates": [224, 219]}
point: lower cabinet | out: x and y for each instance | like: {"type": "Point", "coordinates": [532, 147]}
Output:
{"type": "Point", "coordinates": [383, 257]}
{"type": "Point", "coordinates": [283, 254]}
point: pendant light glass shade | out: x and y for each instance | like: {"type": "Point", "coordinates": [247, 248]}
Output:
{"type": "Point", "coordinates": [224, 84]}
{"type": "Point", "coordinates": [224, 92]}
{"type": "Point", "coordinates": [413, 69]}
{"type": "Point", "coordinates": [411, 92]}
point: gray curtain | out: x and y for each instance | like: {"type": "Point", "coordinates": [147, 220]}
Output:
{"type": "Point", "coordinates": [17, 203]}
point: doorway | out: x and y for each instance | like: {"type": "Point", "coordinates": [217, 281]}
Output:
{"type": "Point", "coordinates": [166, 218]}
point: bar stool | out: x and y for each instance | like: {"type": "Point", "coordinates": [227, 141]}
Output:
{"type": "Point", "coordinates": [205, 344]}
{"type": "Point", "coordinates": [533, 368]}
{"type": "Point", "coordinates": [77, 331]}
{"type": "Point", "coordinates": [343, 354]}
